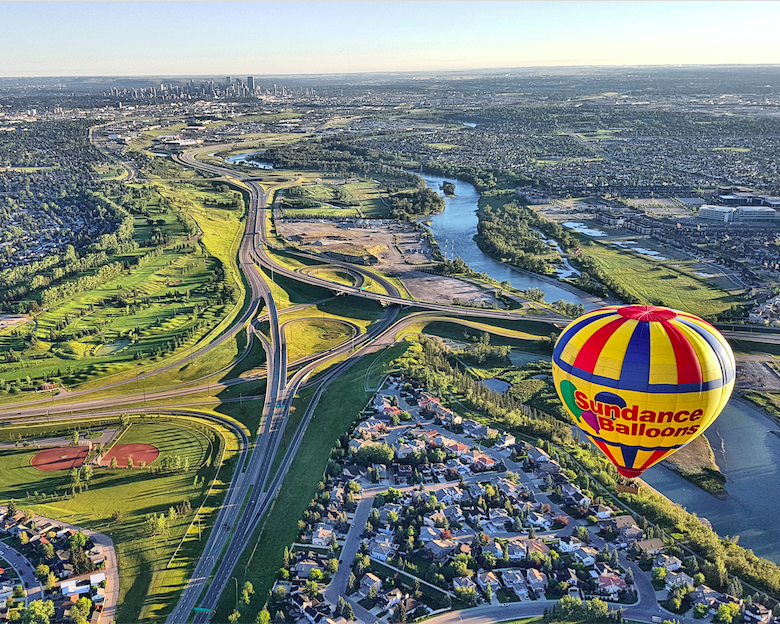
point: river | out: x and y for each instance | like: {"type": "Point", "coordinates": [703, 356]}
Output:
{"type": "Point", "coordinates": [454, 230]}
{"type": "Point", "coordinates": [242, 159]}
{"type": "Point", "coordinates": [745, 451]}
{"type": "Point", "coordinates": [749, 456]}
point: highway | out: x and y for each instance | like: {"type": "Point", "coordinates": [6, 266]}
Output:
{"type": "Point", "coordinates": [253, 487]}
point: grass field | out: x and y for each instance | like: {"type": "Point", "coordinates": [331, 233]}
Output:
{"type": "Point", "coordinates": [308, 336]}
{"type": "Point", "coordinates": [146, 586]}
{"type": "Point", "coordinates": [334, 275]}
{"type": "Point", "coordinates": [263, 556]}
{"type": "Point", "coordinates": [669, 283]}
{"type": "Point", "coordinates": [456, 330]}
{"type": "Point", "coordinates": [361, 198]}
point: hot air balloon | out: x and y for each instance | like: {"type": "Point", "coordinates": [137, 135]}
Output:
{"type": "Point", "coordinates": [642, 381]}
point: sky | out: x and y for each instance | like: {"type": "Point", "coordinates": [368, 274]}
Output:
{"type": "Point", "coordinates": [235, 38]}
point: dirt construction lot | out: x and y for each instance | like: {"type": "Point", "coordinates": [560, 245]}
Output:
{"type": "Point", "coordinates": [440, 289]}
{"type": "Point", "coordinates": [397, 245]}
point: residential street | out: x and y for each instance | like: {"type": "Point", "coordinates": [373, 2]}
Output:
{"type": "Point", "coordinates": [25, 571]}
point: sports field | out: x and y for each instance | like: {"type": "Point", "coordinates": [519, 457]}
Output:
{"type": "Point", "coordinates": [146, 585]}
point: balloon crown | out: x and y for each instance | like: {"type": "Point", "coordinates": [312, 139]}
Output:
{"type": "Point", "coordinates": [647, 313]}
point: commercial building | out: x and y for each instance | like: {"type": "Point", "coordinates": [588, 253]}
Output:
{"type": "Point", "coordinates": [755, 213]}
{"type": "Point", "coordinates": [723, 214]}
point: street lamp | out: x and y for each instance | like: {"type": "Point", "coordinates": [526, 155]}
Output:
{"type": "Point", "coordinates": [236, 580]}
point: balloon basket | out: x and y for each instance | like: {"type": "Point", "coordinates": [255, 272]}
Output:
{"type": "Point", "coordinates": [628, 486]}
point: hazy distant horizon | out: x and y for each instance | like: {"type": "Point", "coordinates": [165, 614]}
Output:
{"type": "Point", "coordinates": [432, 73]}
{"type": "Point", "coordinates": [187, 39]}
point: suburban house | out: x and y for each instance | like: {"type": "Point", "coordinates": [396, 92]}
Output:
{"type": "Point", "coordinates": [586, 555]}
{"type": "Point", "coordinates": [758, 614]}
{"type": "Point", "coordinates": [672, 564]}
{"type": "Point", "coordinates": [537, 581]}
{"type": "Point", "coordinates": [463, 582]}
{"type": "Point", "coordinates": [514, 580]}
{"type": "Point", "coordinates": [321, 536]}
{"type": "Point", "coordinates": [488, 578]}
{"type": "Point", "coordinates": [652, 546]}
{"type": "Point", "coordinates": [611, 583]}
{"type": "Point", "coordinates": [678, 579]}
{"type": "Point", "coordinates": [368, 581]}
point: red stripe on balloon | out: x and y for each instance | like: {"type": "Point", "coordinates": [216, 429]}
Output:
{"type": "Point", "coordinates": [589, 353]}
{"type": "Point", "coordinates": [688, 367]}
{"type": "Point", "coordinates": [654, 457]}
{"type": "Point", "coordinates": [606, 451]}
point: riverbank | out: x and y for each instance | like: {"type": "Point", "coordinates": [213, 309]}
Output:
{"type": "Point", "coordinates": [695, 462]}
{"type": "Point", "coordinates": [767, 401]}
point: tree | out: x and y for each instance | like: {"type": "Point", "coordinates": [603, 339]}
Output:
{"type": "Point", "coordinates": [246, 592]}
{"type": "Point", "coordinates": [47, 551]}
{"type": "Point", "coordinates": [75, 440]}
{"type": "Point", "coordinates": [489, 593]}
{"type": "Point", "coordinates": [80, 610]}
{"type": "Point", "coordinates": [130, 463]}
{"type": "Point", "coordinates": [659, 574]}
{"type": "Point", "coordinates": [114, 462]}
{"type": "Point", "coordinates": [41, 571]}
{"type": "Point", "coordinates": [18, 591]}
{"type": "Point", "coordinates": [597, 610]}
{"type": "Point", "coordinates": [116, 516]}
{"type": "Point", "coordinates": [351, 583]}
{"type": "Point", "coordinates": [234, 617]}
{"type": "Point", "coordinates": [24, 538]}
{"type": "Point", "coordinates": [700, 610]}
{"type": "Point", "coordinates": [467, 595]}
{"type": "Point", "coordinates": [77, 541]}
{"type": "Point", "coordinates": [734, 588]}
{"type": "Point", "coordinates": [570, 608]}
{"type": "Point", "coordinates": [38, 612]}
{"type": "Point", "coordinates": [315, 575]}
{"type": "Point", "coordinates": [311, 589]}
{"type": "Point", "coordinates": [51, 581]}
{"type": "Point", "coordinates": [727, 612]}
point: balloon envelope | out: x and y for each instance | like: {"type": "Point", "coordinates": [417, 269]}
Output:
{"type": "Point", "coordinates": [642, 381]}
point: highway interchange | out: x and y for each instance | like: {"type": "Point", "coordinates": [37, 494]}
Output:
{"type": "Point", "coordinates": [253, 489]}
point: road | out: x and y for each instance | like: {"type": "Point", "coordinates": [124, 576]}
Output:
{"type": "Point", "coordinates": [253, 487]}
{"type": "Point", "coordinates": [24, 569]}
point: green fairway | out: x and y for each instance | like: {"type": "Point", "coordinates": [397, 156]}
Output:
{"type": "Point", "coordinates": [146, 586]}
{"type": "Point", "coordinates": [160, 307]}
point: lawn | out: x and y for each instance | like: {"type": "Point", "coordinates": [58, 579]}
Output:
{"type": "Point", "coordinates": [670, 283]}
{"type": "Point", "coordinates": [147, 589]}
{"type": "Point", "coordinates": [308, 336]}
{"type": "Point", "coordinates": [263, 556]}
{"type": "Point", "coordinates": [334, 275]}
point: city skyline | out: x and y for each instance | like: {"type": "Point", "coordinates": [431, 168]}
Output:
{"type": "Point", "coordinates": [282, 38]}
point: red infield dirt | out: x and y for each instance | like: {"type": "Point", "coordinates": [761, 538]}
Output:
{"type": "Point", "coordinates": [139, 453]}
{"type": "Point", "coordinates": [61, 458]}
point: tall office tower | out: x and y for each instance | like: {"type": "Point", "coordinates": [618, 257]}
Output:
{"type": "Point", "coordinates": [275, 91]}
{"type": "Point", "coordinates": [228, 81]}
{"type": "Point", "coordinates": [250, 83]}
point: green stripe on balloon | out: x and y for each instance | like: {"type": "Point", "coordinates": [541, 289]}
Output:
{"type": "Point", "coordinates": [567, 391]}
